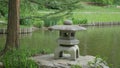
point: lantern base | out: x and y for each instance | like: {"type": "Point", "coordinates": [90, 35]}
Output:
{"type": "Point", "coordinates": [73, 50]}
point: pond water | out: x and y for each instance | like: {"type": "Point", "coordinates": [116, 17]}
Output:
{"type": "Point", "coordinates": [101, 41]}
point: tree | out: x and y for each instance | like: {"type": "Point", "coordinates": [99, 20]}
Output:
{"type": "Point", "coordinates": [32, 6]}
{"type": "Point", "coordinates": [61, 9]}
{"type": "Point", "coordinates": [12, 40]}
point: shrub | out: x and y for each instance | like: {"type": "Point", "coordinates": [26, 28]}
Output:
{"type": "Point", "coordinates": [38, 23]}
{"type": "Point", "coordinates": [98, 63]}
{"type": "Point", "coordinates": [17, 59]}
{"type": "Point", "coordinates": [50, 21]}
{"type": "Point", "coordinates": [27, 22]}
{"type": "Point", "coordinates": [117, 2]}
{"type": "Point", "coordinates": [53, 4]}
{"type": "Point", "coordinates": [79, 21]}
{"type": "Point", "coordinates": [103, 1]}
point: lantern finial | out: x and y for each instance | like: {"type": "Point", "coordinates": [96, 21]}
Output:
{"type": "Point", "coordinates": [68, 22]}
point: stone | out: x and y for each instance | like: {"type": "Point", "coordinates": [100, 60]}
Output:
{"type": "Point", "coordinates": [1, 65]}
{"type": "Point", "coordinates": [68, 22]}
{"type": "Point", "coordinates": [48, 61]}
{"type": "Point", "coordinates": [72, 50]}
{"type": "Point", "coordinates": [118, 6]}
{"type": "Point", "coordinates": [67, 27]}
{"type": "Point", "coordinates": [68, 42]}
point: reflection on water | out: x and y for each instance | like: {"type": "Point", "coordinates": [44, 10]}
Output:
{"type": "Point", "coordinates": [102, 41]}
{"type": "Point", "coordinates": [25, 35]}
{"type": "Point", "coordinates": [2, 40]}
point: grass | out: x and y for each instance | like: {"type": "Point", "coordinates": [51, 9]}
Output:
{"type": "Point", "coordinates": [95, 13]}
{"type": "Point", "coordinates": [90, 8]}
{"type": "Point", "coordinates": [98, 14]}
{"type": "Point", "coordinates": [98, 17]}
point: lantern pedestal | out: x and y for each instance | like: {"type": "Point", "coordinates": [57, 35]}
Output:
{"type": "Point", "coordinates": [73, 50]}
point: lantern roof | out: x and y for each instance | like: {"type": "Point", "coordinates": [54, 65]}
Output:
{"type": "Point", "coordinates": [67, 27]}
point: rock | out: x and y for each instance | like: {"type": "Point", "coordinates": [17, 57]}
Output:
{"type": "Point", "coordinates": [118, 6]}
{"type": "Point", "coordinates": [1, 65]}
{"type": "Point", "coordinates": [48, 61]}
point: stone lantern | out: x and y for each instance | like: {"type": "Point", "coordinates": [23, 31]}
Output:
{"type": "Point", "coordinates": [67, 41]}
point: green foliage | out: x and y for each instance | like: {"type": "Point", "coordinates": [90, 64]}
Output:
{"type": "Point", "coordinates": [103, 1]}
{"type": "Point", "coordinates": [97, 63]}
{"type": "Point", "coordinates": [3, 8]}
{"type": "Point", "coordinates": [117, 2]}
{"type": "Point", "coordinates": [76, 66]}
{"type": "Point", "coordinates": [79, 21]}
{"type": "Point", "coordinates": [56, 4]}
{"type": "Point", "coordinates": [50, 21]}
{"type": "Point", "coordinates": [27, 8]}
{"type": "Point", "coordinates": [27, 22]}
{"type": "Point", "coordinates": [17, 59]}
{"type": "Point", "coordinates": [38, 23]}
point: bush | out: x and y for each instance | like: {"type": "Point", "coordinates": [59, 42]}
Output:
{"type": "Point", "coordinates": [53, 4]}
{"type": "Point", "coordinates": [38, 23]}
{"type": "Point", "coordinates": [79, 21]}
{"type": "Point", "coordinates": [103, 1]}
{"type": "Point", "coordinates": [26, 22]}
{"type": "Point", "coordinates": [17, 59]}
{"type": "Point", "coordinates": [117, 2]}
{"type": "Point", "coordinates": [98, 63]}
{"type": "Point", "coordinates": [50, 21]}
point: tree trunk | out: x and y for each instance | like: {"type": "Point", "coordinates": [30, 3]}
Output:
{"type": "Point", "coordinates": [12, 40]}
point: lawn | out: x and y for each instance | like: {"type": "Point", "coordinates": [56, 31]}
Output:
{"type": "Point", "coordinates": [98, 16]}
{"type": "Point", "coordinates": [94, 13]}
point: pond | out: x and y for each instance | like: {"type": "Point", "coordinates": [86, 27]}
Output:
{"type": "Point", "coordinates": [96, 41]}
